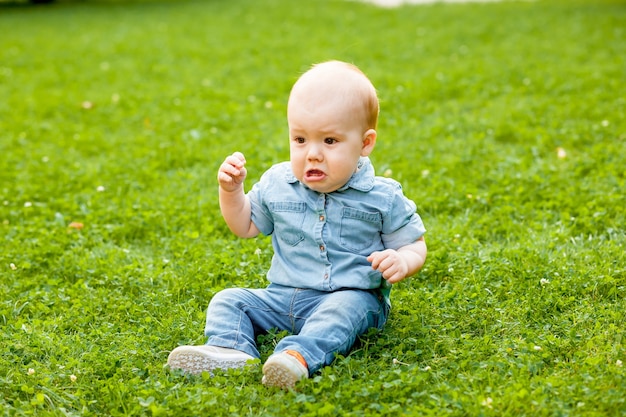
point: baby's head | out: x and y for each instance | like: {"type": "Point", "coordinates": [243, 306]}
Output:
{"type": "Point", "coordinates": [340, 84]}
{"type": "Point", "coordinates": [332, 115]}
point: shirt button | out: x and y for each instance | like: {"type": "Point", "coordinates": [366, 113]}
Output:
{"type": "Point", "coordinates": [325, 276]}
{"type": "Point", "coordinates": [322, 248]}
{"type": "Point", "coordinates": [321, 218]}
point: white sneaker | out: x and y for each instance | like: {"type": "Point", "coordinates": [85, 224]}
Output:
{"type": "Point", "coordinates": [283, 370]}
{"type": "Point", "coordinates": [196, 359]}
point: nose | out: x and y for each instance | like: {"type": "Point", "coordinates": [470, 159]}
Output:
{"type": "Point", "coordinates": [314, 152]}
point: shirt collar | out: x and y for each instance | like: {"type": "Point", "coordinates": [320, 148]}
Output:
{"type": "Point", "coordinates": [361, 180]}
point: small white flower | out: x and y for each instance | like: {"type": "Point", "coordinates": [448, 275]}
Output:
{"type": "Point", "coordinates": [31, 371]}
{"type": "Point", "coordinates": [537, 348]}
{"type": "Point", "coordinates": [28, 204]}
{"type": "Point", "coordinates": [544, 281]}
{"type": "Point", "coordinates": [605, 123]}
{"type": "Point", "coordinates": [487, 402]}
{"type": "Point", "coordinates": [166, 261]}
{"type": "Point", "coordinates": [258, 251]}
{"type": "Point", "coordinates": [100, 188]}
{"type": "Point", "coordinates": [397, 362]}
{"type": "Point", "coordinates": [388, 173]}
{"type": "Point", "coordinates": [561, 153]}
{"type": "Point", "coordinates": [618, 363]}
{"type": "Point", "coordinates": [425, 173]}
{"type": "Point", "coordinates": [12, 265]}
{"type": "Point", "coordinates": [73, 378]}
{"type": "Point", "coordinates": [426, 368]}
{"type": "Point", "coordinates": [195, 134]}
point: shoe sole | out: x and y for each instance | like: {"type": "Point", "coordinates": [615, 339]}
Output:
{"type": "Point", "coordinates": [277, 375]}
{"type": "Point", "coordinates": [196, 363]}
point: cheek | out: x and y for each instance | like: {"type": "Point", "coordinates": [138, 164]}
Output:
{"type": "Point", "coordinates": [295, 156]}
{"type": "Point", "coordinates": [341, 168]}
{"type": "Point", "coordinates": [296, 166]}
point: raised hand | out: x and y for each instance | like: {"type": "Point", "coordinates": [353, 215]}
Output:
{"type": "Point", "coordinates": [232, 172]}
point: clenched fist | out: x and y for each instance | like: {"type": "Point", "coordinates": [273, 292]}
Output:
{"type": "Point", "coordinates": [232, 172]}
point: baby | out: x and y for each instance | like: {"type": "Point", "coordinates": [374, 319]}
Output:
{"type": "Point", "coordinates": [341, 236]}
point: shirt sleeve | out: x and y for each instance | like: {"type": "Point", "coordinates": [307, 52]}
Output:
{"type": "Point", "coordinates": [401, 225]}
{"type": "Point", "coordinates": [261, 215]}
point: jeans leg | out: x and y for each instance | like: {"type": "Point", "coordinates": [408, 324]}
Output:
{"type": "Point", "coordinates": [236, 316]}
{"type": "Point", "coordinates": [331, 325]}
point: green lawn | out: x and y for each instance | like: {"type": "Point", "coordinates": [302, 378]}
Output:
{"type": "Point", "coordinates": [506, 123]}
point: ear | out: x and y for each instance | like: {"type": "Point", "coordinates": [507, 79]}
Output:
{"type": "Point", "coordinates": [369, 141]}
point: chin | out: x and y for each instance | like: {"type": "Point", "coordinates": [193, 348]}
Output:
{"type": "Point", "coordinates": [315, 187]}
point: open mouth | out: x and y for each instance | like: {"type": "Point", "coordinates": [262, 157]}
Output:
{"type": "Point", "coordinates": [314, 174]}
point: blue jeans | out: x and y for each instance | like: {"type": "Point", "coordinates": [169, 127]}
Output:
{"type": "Point", "coordinates": [321, 324]}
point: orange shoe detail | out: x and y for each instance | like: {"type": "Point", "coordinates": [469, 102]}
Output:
{"type": "Point", "coordinates": [298, 356]}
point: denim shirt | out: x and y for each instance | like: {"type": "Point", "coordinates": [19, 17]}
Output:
{"type": "Point", "coordinates": [322, 240]}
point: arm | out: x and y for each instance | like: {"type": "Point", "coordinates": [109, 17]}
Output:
{"type": "Point", "coordinates": [234, 203]}
{"type": "Point", "coordinates": [396, 265]}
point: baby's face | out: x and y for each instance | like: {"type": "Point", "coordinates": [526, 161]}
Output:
{"type": "Point", "coordinates": [327, 138]}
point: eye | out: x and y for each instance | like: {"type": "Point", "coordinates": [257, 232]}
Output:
{"type": "Point", "coordinates": [299, 139]}
{"type": "Point", "coordinates": [330, 141]}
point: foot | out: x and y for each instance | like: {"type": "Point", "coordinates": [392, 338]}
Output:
{"type": "Point", "coordinates": [196, 359]}
{"type": "Point", "coordinates": [284, 369]}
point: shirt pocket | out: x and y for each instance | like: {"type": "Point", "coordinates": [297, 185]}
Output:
{"type": "Point", "coordinates": [359, 229]}
{"type": "Point", "coordinates": [288, 220]}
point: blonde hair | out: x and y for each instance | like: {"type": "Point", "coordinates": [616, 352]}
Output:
{"type": "Point", "coordinates": [348, 81]}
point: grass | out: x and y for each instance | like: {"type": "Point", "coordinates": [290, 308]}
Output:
{"type": "Point", "coordinates": [506, 123]}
